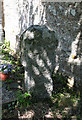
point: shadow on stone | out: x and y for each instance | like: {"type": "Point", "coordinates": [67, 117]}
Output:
{"type": "Point", "coordinates": [37, 51]}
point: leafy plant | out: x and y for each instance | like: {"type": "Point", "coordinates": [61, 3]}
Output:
{"type": "Point", "coordinates": [8, 87]}
{"type": "Point", "coordinates": [65, 98]}
{"type": "Point", "coordinates": [23, 100]}
{"type": "Point", "coordinates": [11, 106]}
{"type": "Point", "coordinates": [5, 47]}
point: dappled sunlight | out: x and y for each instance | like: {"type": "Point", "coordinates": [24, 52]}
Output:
{"type": "Point", "coordinates": [28, 83]}
{"type": "Point", "coordinates": [35, 69]}
{"type": "Point", "coordinates": [30, 13]}
{"type": "Point", "coordinates": [74, 48]}
{"type": "Point", "coordinates": [30, 35]}
{"type": "Point", "coordinates": [56, 69]}
{"type": "Point", "coordinates": [40, 58]}
{"type": "Point", "coordinates": [71, 82]}
{"type": "Point", "coordinates": [75, 56]}
{"type": "Point", "coordinates": [47, 37]}
{"type": "Point", "coordinates": [26, 114]}
{"type": "Point", "coordinates": [40, 62]}
{"type": "Point", "coordinates": [66, 106]}
{"type": "Point", "coordinates": [30, 54]}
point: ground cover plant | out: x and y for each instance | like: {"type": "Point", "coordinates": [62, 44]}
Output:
{"type": "Point", "coordinates": [66, 101]}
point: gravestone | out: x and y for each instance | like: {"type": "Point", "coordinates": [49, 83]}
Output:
{"type": "Point", "coordinates": [37, 46]}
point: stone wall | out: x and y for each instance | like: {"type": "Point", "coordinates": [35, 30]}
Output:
{"type": "Point", "coordinates": [0, 23]}
{"type": "Point", "coordinates": [63, 18]}
{"type": "Point", "coordinates": [11, 21]}
{"type": "Point", "coordinates": [66, 20]}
